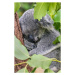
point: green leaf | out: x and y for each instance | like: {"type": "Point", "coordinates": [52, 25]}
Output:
{"type": "Point", "coordinates": [52, 7]}
{"type": "Point", "coordinates": [25, 5]}
{"type": "Point", "coordinates": [58, 6]}
{"type": "Point", "coordinates": [48, 71]}
{"type": "Point", "coordinates": [24, 70]}
{"type": "Point", "coordinates": [39, 61]}
{"type": "Point", "coordinates": [20, 51]}
{"type": "Point", "coordinates": [33, 70]}
{"type": "Point", "coordinates": [57, 16]}
{"type": "Point", "coordinates": [59, 38]}
{"type": "Point", "coordinates": [16, 6]}
{"type": "Point", "coordinates": [59, 71]}
{"type": "Point", "coordinates": [55, 41]}
{"type": "Point", "coordinates": [57, 25]}
{"type": "Point", "coordinates": [40, 10]}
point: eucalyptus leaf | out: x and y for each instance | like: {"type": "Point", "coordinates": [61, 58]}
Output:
{"type": "Point", "coordinates": [16, 6]}
{"type": "Point", "coordinates": [58, 6]}
{"type": "Point", "coordinates": [25, 5]}
{"type": "Point", "coordinates": [23, 70]}
{"type": "Point", "coordinates": [48, 71]}
{"type": "Point", "coordinates": [52, 7]}
{"type": "Point", "coordinates": [57, 16]}
{"type": "Point", "coordinates": [39, 61]}
{"type": "Point", "coordinates": [40, 10]}
{"type": "Point", "coordinates": [57, 25]}
{"type": "Point", "coordinates": [20, 51]}
{"type": "Point", "coordinates": [55, 41]}
{"type": "Point", "coordinates": [59, 38]}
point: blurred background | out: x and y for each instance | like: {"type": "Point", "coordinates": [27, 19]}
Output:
{"type": "Point", "coordinates": [25, 6]}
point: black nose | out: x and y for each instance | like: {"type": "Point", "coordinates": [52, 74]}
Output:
{"type": "Point", "coordinates": [31, 38]}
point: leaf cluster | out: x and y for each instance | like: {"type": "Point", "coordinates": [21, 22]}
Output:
{"type": "Point", "coordinates": [35, 61]}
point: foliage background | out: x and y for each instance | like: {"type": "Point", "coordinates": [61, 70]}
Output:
{"type": "Point", "coordinates": [25, 6]}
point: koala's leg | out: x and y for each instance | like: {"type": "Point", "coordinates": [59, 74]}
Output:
{"type": "Point", "coordinates": [34, 51]}
{"type": "Point", "coordinates": [38, 50]}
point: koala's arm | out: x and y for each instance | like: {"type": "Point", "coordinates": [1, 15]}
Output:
{"type": "Point", "coordinates": [34, 51]}
{"type": "Point", "coordinates": [45, 44]}
{"type": "Point", "coordinates": [29, 45]}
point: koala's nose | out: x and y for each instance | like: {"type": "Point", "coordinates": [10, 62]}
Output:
{"type": "Point", "coordinates": [31, 38]}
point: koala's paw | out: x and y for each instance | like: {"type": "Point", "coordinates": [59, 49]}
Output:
{"type": "Point", "coordinates": [34, 51]}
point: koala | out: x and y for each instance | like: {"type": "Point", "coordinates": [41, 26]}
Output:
{"type": "Point", "coordinates": [39, 36]}
{"type": "Point", "coordinates": [32, 29]}
{"type": "Point", "coordinates": [46, 47]}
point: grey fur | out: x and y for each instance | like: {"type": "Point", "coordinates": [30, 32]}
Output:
{"type": "Point", "coordinates": [44, 30]}
{"type": "Point", "coordinates": [32, 27]}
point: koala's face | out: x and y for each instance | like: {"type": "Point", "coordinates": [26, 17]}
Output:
{"type": "Point", "coordinates": [32, 36]}
{"type": "Point", "coordinates": [46, 22]}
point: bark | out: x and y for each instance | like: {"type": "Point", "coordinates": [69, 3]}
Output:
{"type": "Point", "coordinates": [18, 34]}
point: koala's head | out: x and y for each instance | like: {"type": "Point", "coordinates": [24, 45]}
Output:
{"type": "Point", "coordinates": [46, 22]}
{"type": "Point", "coordinates": [32, 36]}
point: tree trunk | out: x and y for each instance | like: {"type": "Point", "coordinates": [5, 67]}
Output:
{"type": "Point", "coordinates": [18, 34]}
